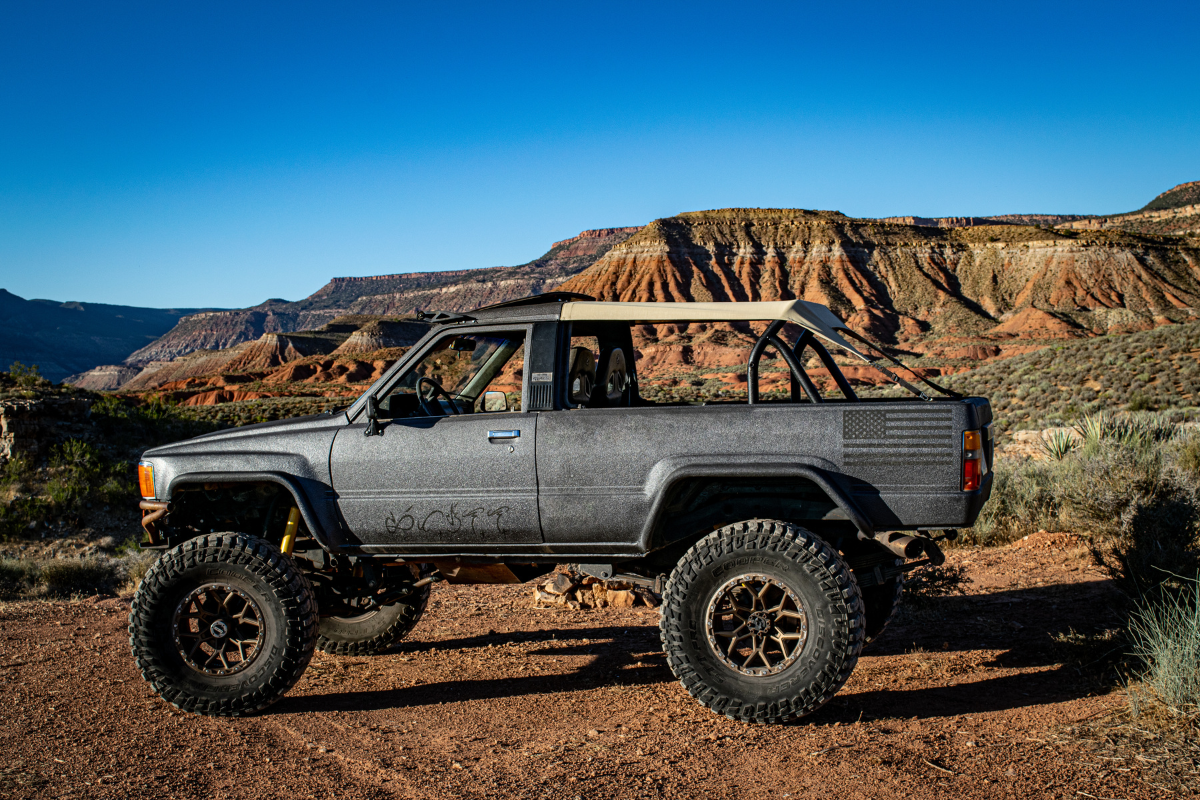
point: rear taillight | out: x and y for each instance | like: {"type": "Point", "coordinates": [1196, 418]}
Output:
{"type": "Point", "coordinates": [974, 464]}
{"type": "Point", "coordinates": [146, 479]}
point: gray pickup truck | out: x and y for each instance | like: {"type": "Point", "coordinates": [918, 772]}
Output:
{"type": "Point", "coordinates": [777, 525]}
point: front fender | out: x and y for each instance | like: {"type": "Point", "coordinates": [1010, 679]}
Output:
{"type": "Point", "coordinates": [323, 530]}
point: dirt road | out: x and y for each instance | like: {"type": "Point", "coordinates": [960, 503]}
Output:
{"type": "Point", "coordinates": [491, 698]}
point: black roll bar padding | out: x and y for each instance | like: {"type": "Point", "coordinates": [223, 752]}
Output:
{"type": "Point", "coordinates": [798, 372]}
{"type": "Point", "coordinates": [798, 349]}
{"type": "Point", "coordinates": [755, 355]}
{"type": "Point", "coordinates": [834, 370]}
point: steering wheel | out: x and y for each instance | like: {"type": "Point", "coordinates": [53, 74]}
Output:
{"type": "Point", "coordinates": [430, 404]}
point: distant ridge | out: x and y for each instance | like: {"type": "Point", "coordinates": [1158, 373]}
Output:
{"type": "Point", "coordinates": [394, 295]}
{"type": "Point", "coordinates": [1052, 275]}
{"type": "Point", "coordinates": [1185, 194]}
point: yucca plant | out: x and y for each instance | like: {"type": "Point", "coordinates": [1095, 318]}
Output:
{"type": "Point", "coordinates": [1058, 444]}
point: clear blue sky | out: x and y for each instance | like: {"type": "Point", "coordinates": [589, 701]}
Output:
{"type": "Point", "coordinates": [182, 154]}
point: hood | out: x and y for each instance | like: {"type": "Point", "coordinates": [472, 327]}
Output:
{"type": "Point", "coordinates": [248, 435]}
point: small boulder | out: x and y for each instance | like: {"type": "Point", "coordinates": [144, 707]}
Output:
{"type": "Point", "coordinates": [621, 598]}
{"type": "Point", "coordinates": [559, 583]}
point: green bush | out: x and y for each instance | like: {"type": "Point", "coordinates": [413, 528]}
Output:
{"type": "Point", "coordinates": [1165, 634]}
{"type": "Point", "coordinates": [1188, 456]}
{"type": "Point", "coordinates": [18, 578]}
{"type": "Point", "coordinates": [26, 376]}
{"type": "Point", "coordinates": [74, 466]}
{"type": "Point", "coordinates": [64, 578]}
{"type": "Point", "coordinates": [1022, 502]}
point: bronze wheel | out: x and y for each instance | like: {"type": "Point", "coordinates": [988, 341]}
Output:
{"type": "Point", "coordinates": [756, 625]}
{"type": "Point", "coordinates": [223, 625]}
{"type": "Point", "coordinates": [762, 621]}
{"type": "Point", "coordinates": [218, 629]}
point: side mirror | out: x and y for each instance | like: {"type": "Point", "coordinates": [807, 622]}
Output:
{"type": "Point", "coordinates": [372, 428]}
{"type": "Point", "coordinates": [463, 345]}
{"type": "Point", "coordinates": [495, 401]}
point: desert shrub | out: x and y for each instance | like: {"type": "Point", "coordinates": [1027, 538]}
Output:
{"type": "Point", "coordinates": [27, 376]}
{"type": "Point", "coordinates": [1139, 402]}
{"type": "Point", "coordinates": [137, 565]}
{"type": "Point", "coordinates": [1126, 484]}
{"type": "Point", "coordinates": [1103, 480]}
{"type": "Point", "coordinates": [1022, 502]}
{"type": "Point", "coordinates": [18, 578]}
{"type": "Point", "coordinates": [74, 467]}
{"type": "Point", "coordinates": [64, 578]}
{"type": "Point", "coordinates": [23, 580]}
{"type": "Point", "coordinates": [924, 585]}
{"type": "Point", "coordinates": [1165, 634]}
{"type": "Point", "coordinates": [1188, 456]}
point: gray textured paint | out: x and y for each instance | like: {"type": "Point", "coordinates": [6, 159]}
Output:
{"type": "Point", "coordinates": [582, 482]}
{"type": "Point", "coordinates": [295, 447]}
{"type": "Point", "coordinates": [430, 482]}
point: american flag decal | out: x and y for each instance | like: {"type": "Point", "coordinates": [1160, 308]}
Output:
{"type": "Point", "coordinates": [898, 438]}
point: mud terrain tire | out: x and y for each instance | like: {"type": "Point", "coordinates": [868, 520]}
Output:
{"type": "Point", "coordinates": [208, 593]}
{"type": "Point", "coordinates": [881, 602]}
{"type": "Point", "coordinates": [789, 562]}
{"type": "Point", "coordinates": [373, 632]}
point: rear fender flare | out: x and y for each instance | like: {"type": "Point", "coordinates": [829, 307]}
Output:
{"type": "Point", "coordinates": [287, 481]}
{"type": "Point", "coordinates": [672, 470]}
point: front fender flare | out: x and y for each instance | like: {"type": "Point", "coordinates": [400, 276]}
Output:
{"type": "Point", "coordinates": [289, 482]}
{"type": "Point", "coordinates": [669, 471]}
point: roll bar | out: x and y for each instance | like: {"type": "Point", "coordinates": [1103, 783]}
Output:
{"type": "Point", "coordinates": [799, 377]}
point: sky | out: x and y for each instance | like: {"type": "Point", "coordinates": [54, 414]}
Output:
{"type": "Point", "coordinates": [185, 155]}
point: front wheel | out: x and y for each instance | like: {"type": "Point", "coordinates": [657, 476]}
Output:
{"type": "Point", "coordinates": [223, 625]}
{"type": "Point", "coordinates": [762, 621]}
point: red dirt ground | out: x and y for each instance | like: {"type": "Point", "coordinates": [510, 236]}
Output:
{"type": "Point", "coordinates": [490, 698]}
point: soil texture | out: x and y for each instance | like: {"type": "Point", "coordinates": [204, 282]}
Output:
{"type": "Point", "coordinates": [966, 697]}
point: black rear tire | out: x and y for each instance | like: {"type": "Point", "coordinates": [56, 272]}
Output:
{"type": "Point", "coordinates": [881, 603]}
{"type": "Point", "coordinates": [373, 632]}
{"type": "Point", "coordinates": [223, 625]}
{"type": "Point", "coordinates": [808, 596]}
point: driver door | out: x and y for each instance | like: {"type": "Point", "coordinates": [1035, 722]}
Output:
{"type": "Point", "coordinates": [444, 473]}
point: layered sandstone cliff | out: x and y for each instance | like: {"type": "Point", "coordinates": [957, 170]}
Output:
{"type": "Point", "coordinates": [914, 285]}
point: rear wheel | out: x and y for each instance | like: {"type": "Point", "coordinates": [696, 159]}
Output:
{"type": "Point", "coordinates": [223, 625]}
{"type": "Point", "coordinates": [762, 621]}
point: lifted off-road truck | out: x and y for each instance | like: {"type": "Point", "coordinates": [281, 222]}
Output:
{"type": "Point", "coordinates": [515, 438]}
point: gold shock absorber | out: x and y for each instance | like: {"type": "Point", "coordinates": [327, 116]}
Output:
{"type": "Point", "coordinates": [289, 533]}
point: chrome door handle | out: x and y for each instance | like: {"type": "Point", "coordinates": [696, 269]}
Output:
{"type": "Point", "coordinates": [492, 435]}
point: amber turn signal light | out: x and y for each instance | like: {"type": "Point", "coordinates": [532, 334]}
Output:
{"type": "Point", "coordinates": [974, 464]}
{"type": "Point", "coordinates": [146, 479]}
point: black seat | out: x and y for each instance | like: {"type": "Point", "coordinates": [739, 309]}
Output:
{"type": "Point", "coordinates": [582, 378]}
{"type": "Point", "coordinates": [612, 386]}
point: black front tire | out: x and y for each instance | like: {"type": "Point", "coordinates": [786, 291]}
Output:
{"type": "Point", "coordinates": [223, 625]}
{"type": "Point", "coordinates": [808, 580]}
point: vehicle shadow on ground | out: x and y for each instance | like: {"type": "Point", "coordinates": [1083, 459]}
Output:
{"type": "Point", "coordinates": [1021, 624]}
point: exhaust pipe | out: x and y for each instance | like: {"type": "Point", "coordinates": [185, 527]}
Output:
{"type": "Point", "coordinates": [903, 545]}
{"type": "Point", "coordinates": [906, 546]}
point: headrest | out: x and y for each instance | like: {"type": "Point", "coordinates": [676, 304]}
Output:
{"type": "Point", "coordinates": [613, 380]}
{"type": "Point", "coordinates": [582, 377]}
